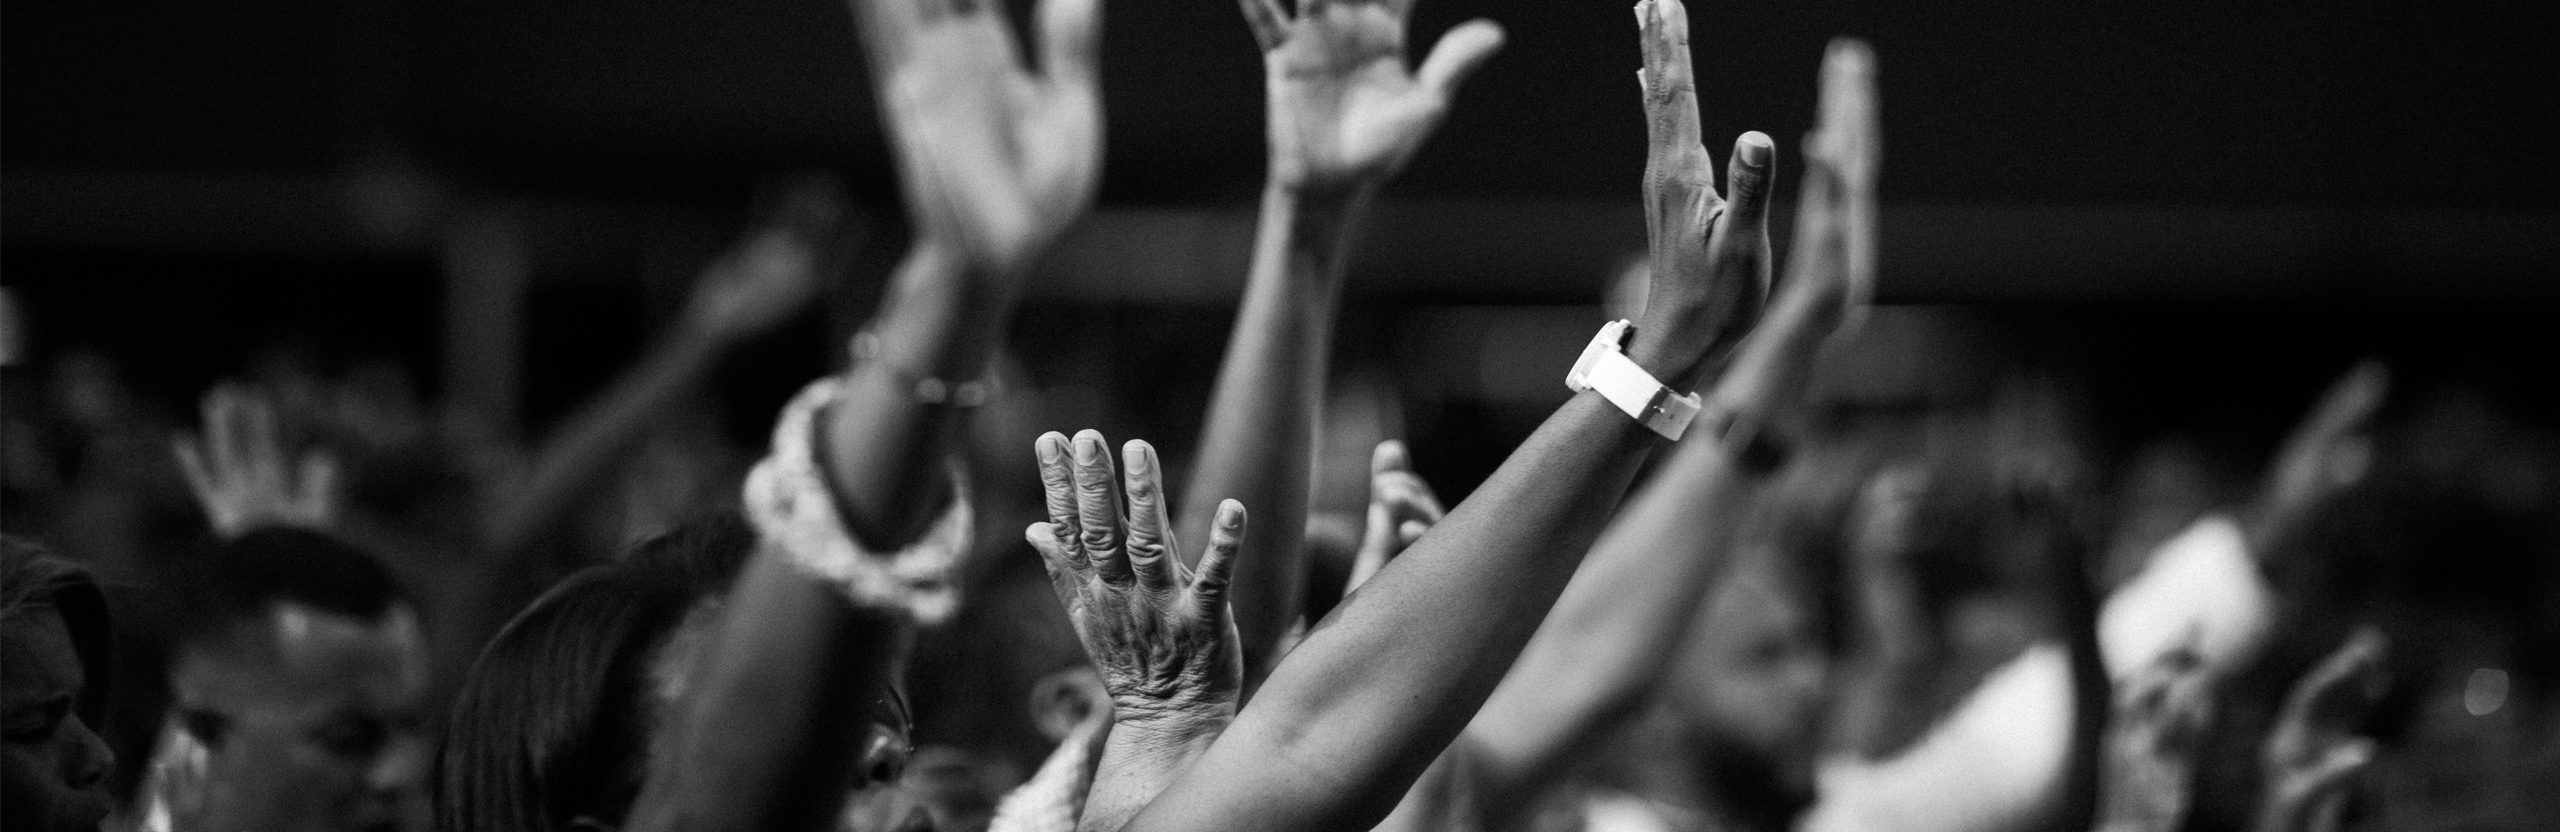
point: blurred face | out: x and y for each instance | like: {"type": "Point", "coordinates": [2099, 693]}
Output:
{"type": "Point", "coordinates": [306, 722]}
{"type": "Point", "coordinates": [53, 771]}
{"type": "Point", "coordinates": [1752, 685]}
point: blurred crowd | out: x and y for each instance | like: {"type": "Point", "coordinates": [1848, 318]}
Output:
{"type": "Point", "coordinates": [1708, 592]}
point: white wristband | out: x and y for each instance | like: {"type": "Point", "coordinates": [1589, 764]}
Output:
{"type": "Point", "coordinates": [1605, 367]}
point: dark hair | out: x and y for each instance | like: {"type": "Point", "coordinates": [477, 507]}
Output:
{"type": "Point", "coordinates": [32, 579]}
{"type": "Point", "coordinates": [239, 580]}
{"type": "Point", "coordinates": [552, 723]}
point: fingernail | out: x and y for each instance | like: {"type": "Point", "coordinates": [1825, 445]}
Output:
{"type": "Point", "coordinates": [1088, 450]}
{"type": "Point", "coordinates": [1231, 515]}
{"type": "Point", "coordinates": [1047, 448]}
{"type": "Point", "coordinates": [1756, 149]}
{"type": "Point", "coordinates": [1142, 459]}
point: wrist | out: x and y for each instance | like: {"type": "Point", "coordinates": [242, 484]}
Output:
{"type": "Point", "coordinates": [943, 314]}
{"type": "Point", "coordinates": [1166, 727]}
{"type": "Point", "coordinates": [1329, 203]}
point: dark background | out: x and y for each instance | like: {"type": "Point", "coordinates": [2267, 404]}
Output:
{"type": "Point", "coordinates": [2174, 198]}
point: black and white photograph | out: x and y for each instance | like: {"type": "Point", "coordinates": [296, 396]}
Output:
{"type": "Point", "coordinates": [1278, 416]}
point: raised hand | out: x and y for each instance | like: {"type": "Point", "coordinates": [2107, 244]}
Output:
{"type": "Point", "coordinates": [1345, 111]}
{"type": "Point", "coordinates": [1710, 254]}
{"type": "Point", "coordinates": [242, 475]}
{"type": "Point", "coordinates": [2316, 749]}
{"type": "Point", "coordinates": [771, 274]}
{"type": "Point", "coordinates": [1401, 508]}
{"type": "Point", "coordinates": [2329, 452]}
{"type": "Point", "coordinates": [997, 159]}
{"type": "Point", "coordinates": [1159, 631]}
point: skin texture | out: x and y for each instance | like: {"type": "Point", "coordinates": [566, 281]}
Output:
{"type": "Point", "coordinates": [1342, 728]}
{"type": "Point", "coordinates": [1642, 587]}
{"type": "Point", "coordinates": [306, 721]}
{"type": "Point", "coordinates": [1160, 632]}
{"type": "Point", "coordinates": [53, 766]}
{"type": "Point", "coordinates": [1344, 113]}
{"type": "Point", "coordinates": [996, 161]}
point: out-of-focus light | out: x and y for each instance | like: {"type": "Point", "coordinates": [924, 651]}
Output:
{"type": "Point", "coordinates": [2486, 692]}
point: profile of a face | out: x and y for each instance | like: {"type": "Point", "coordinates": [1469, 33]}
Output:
{"type": "Point", "coordinates": [306, 721]}
{"type": "Point", "coordinates": [53, 766]}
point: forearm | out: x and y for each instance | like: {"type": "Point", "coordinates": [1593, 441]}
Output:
{"type": "Point", "coordinates": [569, 466]}
{"type": "Point", "coordinates": [1634, 602]}
{"type": "Point", "coordinates": [1258, 443]}
{"type": "Point", "coordinates": [768, 741]}
{"type": "Point", "coordinates": [1139, 759]}
{"type": "Point", "coordinates": [1376, 690]}
{"type": "Point", "coordinates": [1599, 654]}
{"type": "Point", "coordinates": [884, 448]}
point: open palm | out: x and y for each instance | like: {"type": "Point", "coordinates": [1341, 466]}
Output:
{"type": "Point", "coordinates": [1345, 111]}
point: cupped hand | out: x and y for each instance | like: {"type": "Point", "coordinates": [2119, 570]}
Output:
{"type": "Point", "coordinates": [1345, 111]}
{"type": "Point", "coordinates": [997, 160]}
{"type": "Point", "coordinates": [1401, 508]}
{"type": "Point", "coordinates": [243, 476]}
{"type": "Point", "coordinates": [1160, 632]}
{"type": "Point", "coordinates": [2316, 749]}
{"type": "Point", "coordinates": [1709, 252]}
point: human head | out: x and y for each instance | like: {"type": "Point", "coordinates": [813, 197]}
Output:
{"type": "Point", "coordinates": [297, 671]}
{"type": "Point", "coordinates": [53, 690]}
{"type": "Point", "coordinates": [554, 726]}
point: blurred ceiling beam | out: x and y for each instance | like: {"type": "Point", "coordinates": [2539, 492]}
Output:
{"type": "Point", "coordinates": [1515, 250]}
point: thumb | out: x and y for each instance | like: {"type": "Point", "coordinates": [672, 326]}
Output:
{"type": "Point", "coordinates": [1457, 56]}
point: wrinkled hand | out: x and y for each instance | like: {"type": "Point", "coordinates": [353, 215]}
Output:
{"type": "Point", "coordinates": [1710, 255]}
{"type": "Point", "coordinates": [996, 160]}
{"type": "Point", "coordinates": [1344, 111]}
{"type": "Point", "coordinates": [242, 475]}
{"type": "Point", "coordinates": [772, 274]}
{"type": "Point", "coordinates": [2315, 751]}
{"type": "Point", "coordinates": [1401, 508]}
{"type": "Point", "coordinates": [2330, 452]}
{"type": "Point", "coordinates": [1161, 633]}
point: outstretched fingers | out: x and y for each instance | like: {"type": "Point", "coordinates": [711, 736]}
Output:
{"type": "Point", "coordinates": [1150, 541]}
{"type": "Point", "coordinates": [1070, 33]}
{"type": "Point", "coordinates": [1670, 88]}
{"type": "Point", "coordinates": [1058, 484]}
{"type": "Point", "coordinates": [1270, 25]}
{"type": "Point", "coordinates": [1098, 513]}
{"type": "Point", "coordinates": [1209, 584]}
{"type": "Point", "coordinates": [1458, 55]}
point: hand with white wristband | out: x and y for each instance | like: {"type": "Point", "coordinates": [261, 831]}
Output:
{"type": "Point", "coordinates": [1709, 251]}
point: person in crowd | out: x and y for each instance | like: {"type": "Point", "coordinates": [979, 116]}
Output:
{"type": "Point", "coordinates": [1375, 692]}
{"type": "Point", "coordinates": [54, 666]}
{"type": "Point", "coordinates": [2005, 757]}
{"type": "Point", "coordinates": [775, 704]}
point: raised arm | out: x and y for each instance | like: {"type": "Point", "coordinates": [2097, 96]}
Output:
{"type": "Point", "coordinates": [770, 275]}
{"type": "Point", "coordinates": [1599, 654]}
{"type": "Point", "coordinates": [1344, 724]}
{"type": "Point", "coordinates": [996, 162]}
{"type": "Point", "coordinates": [1345, 113]}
